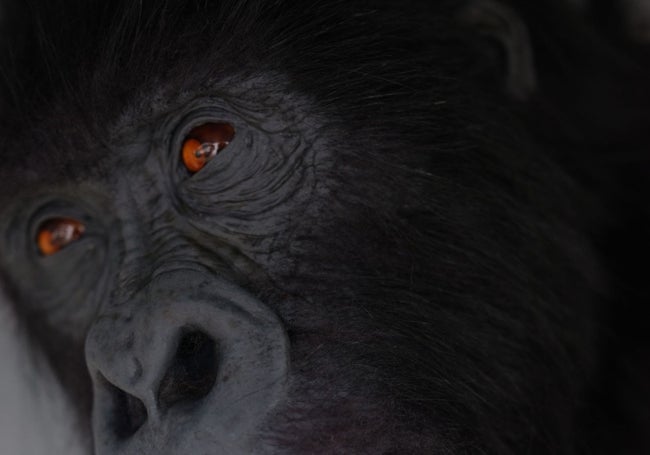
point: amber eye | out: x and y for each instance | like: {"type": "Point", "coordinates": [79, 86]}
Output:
{"type": "Point", "coordinates": [57, 233]}
{"type": "Point", "coordinates": [204, 142]}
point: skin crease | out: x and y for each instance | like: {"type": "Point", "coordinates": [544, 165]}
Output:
{"type": "Point", "coordinates": [405, 247]}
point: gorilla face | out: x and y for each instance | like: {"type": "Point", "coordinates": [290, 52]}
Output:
{"type": "Point", "coordinates": [255, 227]}
{"type": "Point", "coordinates": [160, 282]}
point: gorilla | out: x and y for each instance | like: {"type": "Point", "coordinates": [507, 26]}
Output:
{"type": "Point", "coordinates": [325, 227]}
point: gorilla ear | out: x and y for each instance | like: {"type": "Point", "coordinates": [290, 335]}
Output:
{"type": "Point", "coordinates": [500, 25]}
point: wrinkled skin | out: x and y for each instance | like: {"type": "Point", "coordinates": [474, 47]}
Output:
{"type": "Point", "coordinates": [404, 248]}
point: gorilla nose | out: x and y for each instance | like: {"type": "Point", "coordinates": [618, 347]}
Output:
{"type": "Point", "coordinates": [189, 376]}
{"type": "Point", "coordinates": [167, 370]}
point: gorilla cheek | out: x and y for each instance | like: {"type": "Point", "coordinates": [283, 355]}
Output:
{"type": "Point", "coordinates": [164, 362]}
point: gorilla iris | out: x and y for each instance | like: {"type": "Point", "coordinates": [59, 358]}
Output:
{"type": "Point", "coordinates": [334, 227]}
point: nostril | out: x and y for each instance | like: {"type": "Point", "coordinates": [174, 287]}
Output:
{"type": "Point", "coordinates": [128, 413]}
{"type": "Point", "coordinates": [193, 370]}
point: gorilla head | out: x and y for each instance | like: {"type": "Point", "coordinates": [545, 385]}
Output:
{"type": "Point", "coordinates": [261, 227]}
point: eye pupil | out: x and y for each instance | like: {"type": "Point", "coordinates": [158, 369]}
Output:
{"type": "Point", "coordinates": [204, 142]}
{"type": "Point", "coordinates": [57, 233]}
{"type": "Point", "coordinates": [207, 151]}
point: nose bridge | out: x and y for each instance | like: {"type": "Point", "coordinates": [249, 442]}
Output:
{"type": "Point", "coordinates": [149, 233]}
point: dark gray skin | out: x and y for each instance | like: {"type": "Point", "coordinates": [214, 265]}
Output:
{"type": "Point", "coordinates": [400, 251]}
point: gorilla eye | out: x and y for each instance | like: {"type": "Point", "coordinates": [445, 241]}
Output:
{"type": "Point", "coordinates": [57, 233]}
{"type": "Point", "coordinates": [204, 142]}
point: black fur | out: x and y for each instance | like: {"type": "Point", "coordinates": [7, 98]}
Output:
{"type": "Point", "coordinates": [448, 287]}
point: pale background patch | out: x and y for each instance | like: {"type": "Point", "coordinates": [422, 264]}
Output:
{"type": "Point", "coordinates": [34, 419]}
